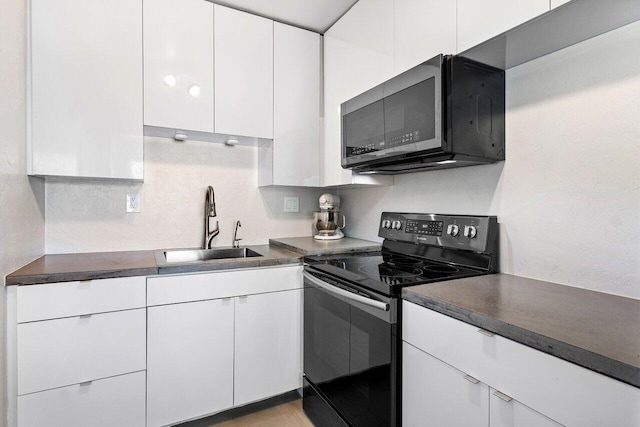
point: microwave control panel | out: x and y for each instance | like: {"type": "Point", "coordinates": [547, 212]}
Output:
{"type": "Point", "coordinates": [455, 231]}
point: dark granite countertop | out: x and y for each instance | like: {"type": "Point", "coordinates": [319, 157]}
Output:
{"type": "Point", "coordinates": [592, 329]}
{"type": "Point", "coordinates": [104, 265]}
{"type": "Point", "coordinates": [310, 246]}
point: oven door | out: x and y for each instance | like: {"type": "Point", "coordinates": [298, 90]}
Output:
{"type": "Point", "coordinates": [350, 350]}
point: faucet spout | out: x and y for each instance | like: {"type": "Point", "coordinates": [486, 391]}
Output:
{"type": "Point", "coordinates": [236, 241]}
{"type": "Point", "coordinates": [210, 212]}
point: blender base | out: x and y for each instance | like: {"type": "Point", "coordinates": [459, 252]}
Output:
{"type": "Point", "coordinates": [334, 236]}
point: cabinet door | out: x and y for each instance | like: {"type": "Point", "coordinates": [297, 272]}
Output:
{"type": "Point", "coordinates": [423, 29]}
{"type": "Point", "coordinates": [268, 345]}
{"type": "Point", "coordinates": [55, 353]}
{"type": "Point", "coordinates": [86, 88]}
{"type": "Point", "coordinates": [436, 394]}
{"type": "Point", "coordinates": [189, 360]}
{"type": "Point", "coordinates": [295, 151]}
{"type": "Point", "coordinates": [479, 20]}
{"type": "Point", "coordinates": [243, 73]}
{"type": "Point", "coordinates": [358, 55]}
{"type": "Point", "coordinates": [178, 64]}
{"type": "Point", "coordinates": [115, 401]}
{"type": "Point", "coordinates": [507, 412]}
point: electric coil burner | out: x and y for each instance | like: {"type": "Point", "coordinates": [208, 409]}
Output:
{"type": "Point", "coordinates": [352, 331]}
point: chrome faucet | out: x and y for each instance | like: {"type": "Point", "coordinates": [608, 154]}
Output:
{"type": "Point", "coordinates": [209, 212]}
{"type": "Point", "coordinates": [236, 241]}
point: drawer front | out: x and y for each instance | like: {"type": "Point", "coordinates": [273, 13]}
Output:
{"type": "Point", "coordinates": [56, 353]}
{"type": "Point", "coordinates": [66, 299]}
{"type": "Point", "coordinates": [117, 401]}
{"type": "Point", "coordinates": [563, 391]}
{"type": "Point", "coordinates": [223, 284]}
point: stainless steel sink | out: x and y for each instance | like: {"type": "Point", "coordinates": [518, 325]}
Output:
{"type": "Point", "coordinates": [186, 255]}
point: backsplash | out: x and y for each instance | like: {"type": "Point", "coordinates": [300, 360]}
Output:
{"type": "Point", "coordinates": [568, 195]}
{"type": "Point", "coordinates": [90, 215]}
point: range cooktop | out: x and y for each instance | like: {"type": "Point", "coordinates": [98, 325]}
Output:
{"type": "Point", "coordinates": [418, 249]}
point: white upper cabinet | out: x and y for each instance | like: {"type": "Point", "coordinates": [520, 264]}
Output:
{"type": "Point", "coordinates": [358, 54]}
{"type": "Point", "coordinates": [293, 158]}
{"type": "Point", "coordinates": [243, 73]}
{"type": "Point", "coordinates": [480, 20]}
{"type": "Point", "coordinates": [178, 64]}
{"type": "Point", "coordinates": [422, 30]}
{"type": "Point", "coordinates": [556, 3]}
{"type": "Point", "coordinates": [86, 89]}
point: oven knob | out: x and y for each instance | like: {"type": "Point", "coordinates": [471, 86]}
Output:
{"type": "Point", "coordinates": [470, 231]}
{"type": "Point", "coordinates": [453, 230]}
{"type": "Point", "coordinates": [386, 224]}
{"type": "Point", "coordinates": [397, 225]}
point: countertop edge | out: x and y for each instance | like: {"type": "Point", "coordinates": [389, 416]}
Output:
{"type": "Point", "coordinates": [596, 362]}
{"type": "Point", "coordinates": [75, 276]}
{"type": "Point", "coordinates": [368, 247]}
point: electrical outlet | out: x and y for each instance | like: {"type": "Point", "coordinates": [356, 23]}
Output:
{"type": "Point", "coordinates": [291, 204]}
{"type": "Point", "coordinates": [133, 201]}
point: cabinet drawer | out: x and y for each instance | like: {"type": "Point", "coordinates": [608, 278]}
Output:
{"type": "Point", "coordinates": [563, 391]}
{"type": "Point", "coordinates": [54, 300]}
{"type": "Point", "coordinates": [61, 352]}
{"type": "Point", "coordinates": [223, 284]}
{"type": "Point", "coordinates": [117, 401]}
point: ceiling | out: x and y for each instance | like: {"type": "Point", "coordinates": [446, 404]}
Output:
{"type": "Point", "coordinates": [315, 15]}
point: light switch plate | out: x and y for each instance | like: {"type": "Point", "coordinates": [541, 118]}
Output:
{"type": "Point", "coordinates": [291, 204]}
{"type": "Point", "coordinates": [133, 201]}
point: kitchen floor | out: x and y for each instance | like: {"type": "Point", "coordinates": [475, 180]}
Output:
{"type": "Point", "coordinates": [280, 411]}
{"type": "Point", "coordinates": [288, 414]}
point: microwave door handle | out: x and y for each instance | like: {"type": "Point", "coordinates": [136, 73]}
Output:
{"type": "Point", "coordinates": [345, 294]}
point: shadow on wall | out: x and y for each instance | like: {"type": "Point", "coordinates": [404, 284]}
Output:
{"type": "Point", "coordinates": [575, 70]}
{"type": "Point", "coordinates": [468, 190]}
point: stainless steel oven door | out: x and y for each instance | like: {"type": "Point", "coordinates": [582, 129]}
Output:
{"type": "Point", "coordinates": [349, 349]}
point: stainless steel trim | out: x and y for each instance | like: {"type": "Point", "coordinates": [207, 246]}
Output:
{"type": "Point", "coordinates": [502, 396]}
{"type": "Point", "coordinates": [471, 379]}
{"type": "Point", "coordinates": [346, 294]}
{"type": "Point", "coordinates": [486, 333]}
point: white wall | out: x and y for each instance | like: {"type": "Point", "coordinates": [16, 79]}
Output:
{"type": "Point", "coordinates": [90, 215]}
{"type": "Point", "coordinates": [568, 194]}
{"type": "Point", "coordinates": [21, 199]}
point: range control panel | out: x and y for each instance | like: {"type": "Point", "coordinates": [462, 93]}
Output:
{"type": "Point", "coordinates": [453, 231]}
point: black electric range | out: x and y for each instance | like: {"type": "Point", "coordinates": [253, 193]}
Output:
{"type": "Point", "coordinates": [352, 331]}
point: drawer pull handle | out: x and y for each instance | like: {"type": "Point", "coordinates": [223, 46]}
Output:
{"type": "Point", "coordinates": [471, 379]}
{"type": "Point", "coordinates": [502, 396]}
{"type": "Point", "coordinates": [85, 316]}
{"type": "Point", "coordinates": [486, 333]}
{"type": "Point", "coordinates": [86, 383]}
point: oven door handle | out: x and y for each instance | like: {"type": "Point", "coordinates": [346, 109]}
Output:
{"type": "Point", "coordinates": [380, 305]}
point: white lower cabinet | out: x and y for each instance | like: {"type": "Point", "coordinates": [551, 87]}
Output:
{"type": "Point", "coordinates": [436, 394]}
{"type": "Point", "coordinates": [268, 351]}
{"type": "Point", "coordinates": [61, 352]}
{"type": "Point", "coordinates": [116, 401]}
{"type": "Point", "coordinates": [79, 351]}
{"type": "Point", "coordinates": [190, 360]}
{"type": "Point", "coordinates": [226, 350]}
{"type": "Point", "coordinates": [507, 412]}
{"type": "Point", "coordinates": [527, 387]}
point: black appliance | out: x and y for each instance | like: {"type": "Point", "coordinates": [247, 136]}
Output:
{"type": "Point", "coordinates": [352, 330]}
{"type": "Point", "coordinates": [446, 112]}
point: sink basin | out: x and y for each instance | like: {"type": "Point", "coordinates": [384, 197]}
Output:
{"type": "Point", "coordinates": [186, 255]}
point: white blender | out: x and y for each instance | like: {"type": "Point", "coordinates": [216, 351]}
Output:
{"type": "Point", "coordinates": [328, 222]}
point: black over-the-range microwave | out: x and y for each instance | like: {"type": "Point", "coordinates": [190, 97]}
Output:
{"type": "Point", "coordinates": [446, 112]}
